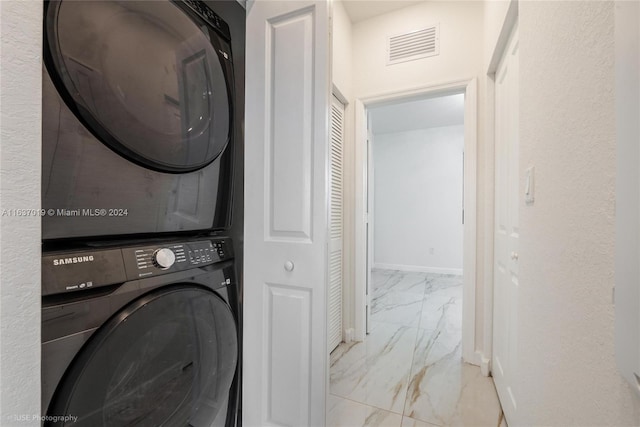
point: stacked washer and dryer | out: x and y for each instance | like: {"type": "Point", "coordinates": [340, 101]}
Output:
{"type": "Point", "coordinates": [141, 143]}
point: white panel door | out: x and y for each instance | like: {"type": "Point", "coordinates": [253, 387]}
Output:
{"type": "Point", "coordinates": [505, 323]}
{"type": "Point", "coordinates": [286, 213]}
{"type": "Point", "coordinates": [335, 223]}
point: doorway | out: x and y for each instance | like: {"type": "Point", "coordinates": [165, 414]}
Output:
{"type": "Point", "coordinates": [414, 193]}
{"type": "Point", "coordinates": [365, 244]}
{"type": "Point", "coordinates": [408, 367]}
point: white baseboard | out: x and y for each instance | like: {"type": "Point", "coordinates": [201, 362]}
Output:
{"type": "Point", "coordinates": [474, 358]}
{"type": "Point", "coordinates": [348, 335]}
{"type": "Point", "coordinates": [417, 268]}
{"type": "Point", "coordinates": [485, 366]}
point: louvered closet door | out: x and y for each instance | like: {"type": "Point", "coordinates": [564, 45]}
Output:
{"type": "Point", "coordinates": [335, 225]}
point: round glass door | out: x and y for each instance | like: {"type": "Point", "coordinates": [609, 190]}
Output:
{"type": "Point", "coordinates": [168, 359]}
{"type": "Point", "coordinates": [144, 77]}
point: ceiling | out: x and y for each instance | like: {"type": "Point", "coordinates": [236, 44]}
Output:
{"type": "Point", "coordinates": [420, 114]}
{"type": "Point", "coordinates": [359, 10]}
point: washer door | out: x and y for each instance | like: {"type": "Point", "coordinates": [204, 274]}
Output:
{"type": "Point", "coordinates": [149, 79]}
{"type": "Point", "coordinates": [168, 359]}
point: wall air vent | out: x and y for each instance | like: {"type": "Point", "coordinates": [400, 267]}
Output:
{"type": "Point", "coordinates": [414, 45]}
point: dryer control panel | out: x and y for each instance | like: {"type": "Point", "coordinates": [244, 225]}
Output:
{"type": "Point", "coordinates": [64, 272]}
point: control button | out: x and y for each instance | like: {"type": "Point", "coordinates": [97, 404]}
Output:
{"type": "Point", "coordinates": [164, 258]}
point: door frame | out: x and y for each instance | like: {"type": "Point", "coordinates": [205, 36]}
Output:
{"type": "Point", "coordinates": [469, 87]}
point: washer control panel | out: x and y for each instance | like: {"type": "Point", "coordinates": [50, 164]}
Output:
{"type": "Point", "coordinates": [64, 272]}
{"type": "Point", "coordinates": [153, 260]}
{"type": "Point", "coordinates": [164, 258]}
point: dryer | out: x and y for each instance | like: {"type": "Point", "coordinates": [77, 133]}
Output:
{"type": "Point", "coordinates": [138, 118]}
{"type": "Point", "coordinates": [141, 335]}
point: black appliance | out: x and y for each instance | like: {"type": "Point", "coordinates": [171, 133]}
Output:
{"type": "Point", "coordinates": [138, 118]}
{"type": "Point", "coordinates": [141, 335]}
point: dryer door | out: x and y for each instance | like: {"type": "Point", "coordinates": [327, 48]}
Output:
{"type": "Point", "coordinates": [151, 80]}
{"type": "Point", "coordinates": [168, 359]}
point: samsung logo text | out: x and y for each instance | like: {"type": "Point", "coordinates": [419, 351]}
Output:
{"type": "Point", "coordinates": [73, 260]}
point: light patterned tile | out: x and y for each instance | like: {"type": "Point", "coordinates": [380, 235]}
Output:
{"type": "Point", "coordinates": [438, 389]}
{"type": "Point", "coordinates": [376, 371]}
{"type": "Point", "coordinates": [441, 312]}
{"type": "Point", "coordinates": [445, 391]}
{"type": "Point", "coordinates": [410, 422]}
{"type": "Point", "coordinates": [402, 308]}
{"type": "Point", "coordinates": [381, 279]}
{"type": "Point", "coordinates": [412, 282]}
{"type": "Point", "coordinates": [347, 413]}
{"type": "Point", "coordinates": [384, 281]}
{"type": "Point", "coordinates": [436, 282]}
{"type": "Point", "coordinates": [442, 308]}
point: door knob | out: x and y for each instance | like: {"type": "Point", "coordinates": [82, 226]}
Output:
{"type": "Point", "coordinates": [288, 266]}
{"type": "Point", "coordinates": [514, 256]}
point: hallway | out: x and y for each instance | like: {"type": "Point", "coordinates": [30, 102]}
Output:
{"type": "Point", "coordinates": [409, 371]}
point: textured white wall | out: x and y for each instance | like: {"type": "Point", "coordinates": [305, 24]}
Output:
{"type": "Point", "coordinates": [566, 371]}
{"type": "Point", "coordinates": [418, 199]}
{"type": "Point", "coordinates": [627, 277]}
{"type": "Point", "coordinates": [20, 116]}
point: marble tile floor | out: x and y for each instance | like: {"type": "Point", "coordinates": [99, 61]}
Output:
{"type": "Point", "coordinates": [409, 370]}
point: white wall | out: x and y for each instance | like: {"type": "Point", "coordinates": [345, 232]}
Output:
{"type": "Point", "coordinates": [461, 48]}
{"type": "Point", "coordinates": [495, 13]}
{"type": "Point", "coordinates": [566, 370]}
{"type": "Point", "coordinates": [342, 54]}
{"type": "Point", "coordinates": [418, 200]}
{"type": "Point", "coordinates": [627, 276]}
{"type": "Point", "coordinates": [20, 117]}
{"type": "Point", "coordinates": [461, 57]}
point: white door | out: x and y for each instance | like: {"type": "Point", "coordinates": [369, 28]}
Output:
{"type": "Point", "coordinates": [505, 329]}
{"type": "Point", "coordinates": [285, 358]}
{"type": "Point", "coordinates": [335, 223]}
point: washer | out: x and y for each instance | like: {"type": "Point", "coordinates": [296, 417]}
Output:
{"type": "Point", "coordinates": [138, 118]}
{"type": "Point", "coordinates": [141, 335]}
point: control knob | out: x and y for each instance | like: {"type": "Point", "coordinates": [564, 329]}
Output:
{"type": "Point", "coordinates": [164, 258]}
